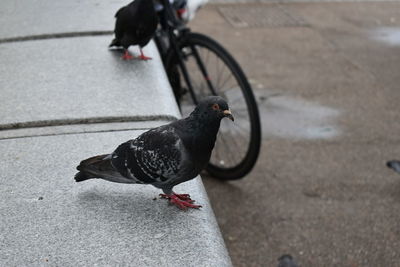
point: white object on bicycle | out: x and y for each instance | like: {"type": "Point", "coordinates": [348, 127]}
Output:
{"type": "Point", "coordinates": [192, 7]}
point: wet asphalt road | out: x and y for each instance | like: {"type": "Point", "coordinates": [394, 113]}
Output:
{"type": "Point", "coordinates": [328, 92]}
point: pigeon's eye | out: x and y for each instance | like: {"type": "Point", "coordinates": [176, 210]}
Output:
{"type": "Point", "coordinates": [215, 107]}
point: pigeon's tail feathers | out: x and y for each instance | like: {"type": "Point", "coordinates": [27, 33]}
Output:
{"type": "Point", "coordinates": [394, 164]}
{"type": "Point", "coordinates": [94, 167]}
{"type": "Point", "coordinates": [82, 176]}
{"type": "Point", "coordinates": [93, 161]}
{"type": "Point", "coordinates": [101, 167]}
{"type": "Point", "coordinates": [115, 42]}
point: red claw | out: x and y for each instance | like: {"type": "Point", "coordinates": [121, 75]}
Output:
{"type": "Point", "coordinates": [182, 201]}
{"type": "Point", "coordinates": [127, 56]}
{"type": "Point", "coordinates": [142, 56]}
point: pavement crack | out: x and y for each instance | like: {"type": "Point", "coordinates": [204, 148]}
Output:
{"type": "Point", "coordinates": [54, 36]}
{"type": "Point", "coordinates": [74, 133]}
{"type": "Point", "coordinates": [93, 120]}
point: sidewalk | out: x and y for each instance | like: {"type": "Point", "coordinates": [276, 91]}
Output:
{"type": "Point", "coordinates": [66, 99]}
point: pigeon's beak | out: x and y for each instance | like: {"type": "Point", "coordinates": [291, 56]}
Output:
{"type": "Point", "coordinates": [228, 114]}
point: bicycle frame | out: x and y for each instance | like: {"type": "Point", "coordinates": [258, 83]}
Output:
{"type": "Point", "coordinates": [176, 30]}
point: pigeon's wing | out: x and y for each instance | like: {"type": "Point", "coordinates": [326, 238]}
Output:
{"type": "Point", "coordinates": [153, 157]}
{"type": "Point", "coordinates": [100, 167]}
{"type": "Point", "coordinates": [145, 31]}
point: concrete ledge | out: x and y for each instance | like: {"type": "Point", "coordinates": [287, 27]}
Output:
{"type": "Point", "coordinates": [49, 219]}
{"type": "Point", "coordinates": [75, 78]}
{"type": "Point", "coordinates": [25, 17]}
{"type": "Point", "coordinates": [65, 99]}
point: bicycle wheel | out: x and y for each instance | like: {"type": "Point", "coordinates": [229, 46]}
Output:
{"type": "Point", "coordinates": [211, 70]}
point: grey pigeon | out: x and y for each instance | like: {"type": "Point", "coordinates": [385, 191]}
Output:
{"type": "Point", "coordinates": [164, 156]}
{"type": "Point", "coordinates": [135, 24]}
{"type": "Point", "coordinates": [287, 260]}
{"type": "Point", "coordinates": [394, 164]}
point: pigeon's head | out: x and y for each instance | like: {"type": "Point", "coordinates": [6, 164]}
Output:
{"type": "Point", "coordinates": [213, 107]}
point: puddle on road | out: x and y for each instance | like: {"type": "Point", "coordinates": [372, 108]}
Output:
{"type": "Point", "coordinates": [388, 35]}
{"type": "Point", "coordinates": [286, 117]}
{"type": "Point", "coordinates": [281, 116]}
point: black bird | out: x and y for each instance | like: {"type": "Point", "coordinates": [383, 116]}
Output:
{"type": "Point", "coordinates": [164, 156]}
{"type": "Point", "coordinates": [394, 164]}
{"type": "Point", "coordinates": [287, 260]}
{"type": "Point", "coordinates": [135, 25]}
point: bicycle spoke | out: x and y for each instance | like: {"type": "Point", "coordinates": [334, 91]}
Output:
{"type": "Point", "coordinates": [217, 83]}
{"type": "Point", "coordinates": [241, 134]}
{"type": "Point", "coordinates": [235, 141]}
{"type": "Point", "coordinates": [217, 153]}
{"type": "Point", "coordinates": [239, 111]}
{"type": "Point", "coordinates": [243, 125]}
{"type": "Point", "coordinates": [218, 69]}
{"type": "Point", "coordinates": [227, 79]}
{"type": "Point", "coordinates": [221, 75]}
{"type": "Point", "coordinates": [227, 147]}
{"type": "Point", "coordinates": [207, 56]}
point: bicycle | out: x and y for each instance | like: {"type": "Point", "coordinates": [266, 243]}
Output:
{"type": "Point", "coordinates": [197, 66]}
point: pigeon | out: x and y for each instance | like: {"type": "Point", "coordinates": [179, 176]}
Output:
{"type": "Point", "coordinates": [164, 156]}
{"type": "Point", "coordinates": [286, 260]}
{"type": "Point", "coordinates": [394, 164]}
{"type": "Point", "coordinates": [135, 24]}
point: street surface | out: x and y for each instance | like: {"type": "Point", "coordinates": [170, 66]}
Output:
{"type": "Point", "coordinates": [326, 76]}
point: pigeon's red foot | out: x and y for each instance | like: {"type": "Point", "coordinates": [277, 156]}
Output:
{"type": "Point", "coordinates": [182, 201]}
{"type": "Point", "coordinates": [143, 57]}
{"type": "Point", "coordinates": [127, 56]}
{"type": "Point", "coordinates": [184, 197]}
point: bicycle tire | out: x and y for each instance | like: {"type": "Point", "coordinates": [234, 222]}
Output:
{"type": "Point", "coordinates": [246, 164]}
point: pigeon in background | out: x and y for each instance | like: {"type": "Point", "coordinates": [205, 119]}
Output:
{"type": "Point", "coordinates": [286, 261]}
{"type": "Point", "coordinates": [164, 156]}
{"type": "Point", "coordinates": [394, 164]}
{"type": "Point", "coordinates": [135, 24]}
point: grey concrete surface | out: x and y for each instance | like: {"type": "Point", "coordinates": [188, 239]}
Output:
{"type": "Point", "coordinates": [66, 99]}
{"type": "Point", "coordinates": [47, 219]}
{"type": "Point", "coordinates": [327, 199]}
{"type": "Point", "coordinates": [24, 17]}
{"type": "Point", "coordinates": [79, 78]}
